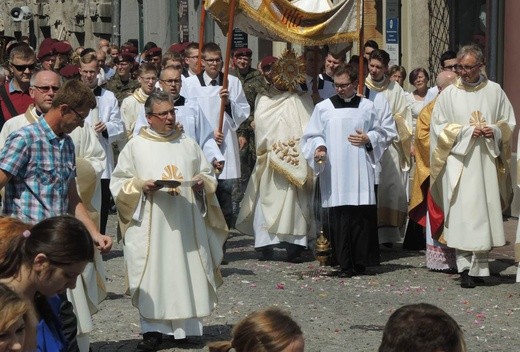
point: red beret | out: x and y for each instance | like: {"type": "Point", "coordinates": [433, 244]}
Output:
{"type": "Point", "coordinates": [129, 49]}
{"type": "Point", "coordinates": [124, 56]}
{"type": "Point", "coordinates": [154, 52]}
{"type": "Point", "coordinates": [243, 52]}
{"type": "Point", "coordinates": [176, 48]}
{"type": "Point", "coordinates": [45, 50]}
{"type": "Point", "coordinates": [62, 48]}
{"type": "Point", "coordinates": [69, 71]}
{"type": "Point", "coordinates": [268, 61]}
{"type": "Point", "coordinates": [48, 41]}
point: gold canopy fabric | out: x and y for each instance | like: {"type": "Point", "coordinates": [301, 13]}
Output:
{"type": "Point", "coordinates": [307, 22]}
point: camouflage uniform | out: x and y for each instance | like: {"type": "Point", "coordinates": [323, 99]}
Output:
{"type": "Point", "coordinates": [253, 83]}
{"type": "Point", "coordinates": [120, 89]}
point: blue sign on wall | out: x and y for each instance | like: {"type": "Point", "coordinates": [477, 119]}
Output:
{"type": "Point", "coordinates": [392, 30]}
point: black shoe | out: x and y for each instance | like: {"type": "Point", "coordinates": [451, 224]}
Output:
{"type": "Point", "coordinates": [388, 244]}
{"type": "Point", "coordinates": [360, 269]}
{"type": "Point", "coordinates": [294, 256]}
{"type": "Point", "coordinates": [478, 280]}
{"type": "Point", "coordinates": [267, 253]}
{"type": "Point", "coordinates": [151, 341]}
{"type": "Point", "coordinates": [295, 259]}
{"type": "Point", "coordinates": [447, 271]}
{"type": "Point", "coordinates": [346, 273]}
{"type": "Point", "coordinates": [466, 281]}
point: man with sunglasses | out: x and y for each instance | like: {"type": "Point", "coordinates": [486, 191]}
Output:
{"type": "Point", "coordinates": [90, 163]}
{"type": "Point", "coordinates": [14, 95]}
{"type": "Point", "coordinates": [38, 165]}
{"type": "Point", "coordinates": [470, 150]}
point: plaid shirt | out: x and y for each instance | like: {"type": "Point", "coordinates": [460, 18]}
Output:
{"type": "Point", "coordinates": [42, 166]}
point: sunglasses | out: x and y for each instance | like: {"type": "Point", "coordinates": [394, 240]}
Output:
{"type": "Point", "coordinates": [22, 68]}
{"type": "Point", "coordinates": [81, 118]}
{"type": "Point", "coordinates": [46, 89]}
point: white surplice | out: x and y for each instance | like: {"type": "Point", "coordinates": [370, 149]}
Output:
{"type": "Point", "coordinates": [347, 177]}
{"type": "Point", "coordinates": [172, 243]}
{"type": "Point", "coordinates": [107, 111]}
{"type": "Point", "coordinates": [208, 98]}
{"type": "Point", "coordinates": [274, 209]}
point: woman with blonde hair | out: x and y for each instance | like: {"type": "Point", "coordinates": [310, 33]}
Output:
{"type": "Point", "coordinates": [38, 263]}
{"type": "Point", "coordinates": [268, 330]}
{"type": "Point", "coordinates": [12, 320]}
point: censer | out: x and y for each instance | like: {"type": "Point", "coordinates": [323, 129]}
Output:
{"type": "Point", "coordinates": [322, 245]}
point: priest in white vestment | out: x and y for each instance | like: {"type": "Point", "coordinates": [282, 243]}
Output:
{"type": "Point", "coordinates": [392, 194]}
{"type": "Point", "coordinates": [343, 142]}
{"type": "Point", "coordinates": [172, 232]}
{"type": "Point", "coordinates": [277, 204]}
{"type": "Point", "coordinates": [471, 129]}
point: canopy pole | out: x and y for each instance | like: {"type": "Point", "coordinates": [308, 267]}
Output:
{"type": "Point", "coordinates": [361, 75]}
{"type": "Point", "coordinates": [232, 5]}
{"type": "Point", "coordinates": [201, 34]}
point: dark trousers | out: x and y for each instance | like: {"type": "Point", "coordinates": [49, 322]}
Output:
{"type": "Point", "coordinates": [225, 198]}
{"type": "Point", "coordinates": [105, 204]}
{"type": "Point", "coordinates": [351, 235]}
{"type": "Point", "coordinates": [69, 324]}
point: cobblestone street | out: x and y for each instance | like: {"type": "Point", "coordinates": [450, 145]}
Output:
{"type": "Point", "coordinates": [335, 314]}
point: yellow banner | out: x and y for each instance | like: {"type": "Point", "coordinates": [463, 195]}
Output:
{"type": "Point", "coordinates": [307, 22]}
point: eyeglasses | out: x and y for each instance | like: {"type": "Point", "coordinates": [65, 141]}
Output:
{"type": "Point", "coordinates": [467, 68]}
{"type": "Point", "coordinates": [46, 89]}
{"type": "Point", "coordinates": [177, 67]}
{"type": "Point", "coordinates": [22, 68]}
{"type": "Point", "coordinates": [213, 61]}
{"type": "Point", "coordinates": [77, 114]}
{"type": "Point", "coordinates": [342, 85]}
{"type": "Point", "coordinates": [450, 68]}
{"type": "Point", "coordinates": [163, 114]}
{"type": "Point", "coordinates": [171, 82]}
{"type": "Point", "coordinates": [148, 79]}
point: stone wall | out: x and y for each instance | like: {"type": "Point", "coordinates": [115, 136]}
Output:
{"type": "Point", "coordinates": [82, 23]}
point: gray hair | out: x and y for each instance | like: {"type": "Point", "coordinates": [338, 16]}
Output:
{"type": "Point", "coordinates": [471, 49]}
{"type": "Point", "coordinates": [155, 98]}
{"type": "Point", "coordinates": [37, 73]}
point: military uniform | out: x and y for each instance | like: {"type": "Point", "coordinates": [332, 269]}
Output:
{"type": "Point", "coordinates": [121, 89]}
{"type": "Point", "coordinates": [253, 83]}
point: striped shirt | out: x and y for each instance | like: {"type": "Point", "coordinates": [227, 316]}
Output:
{"type": "Point", "coordinates": [42, 166]}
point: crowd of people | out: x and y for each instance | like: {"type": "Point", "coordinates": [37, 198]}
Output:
{"type": "Point", "coordinates": [184, 154]}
